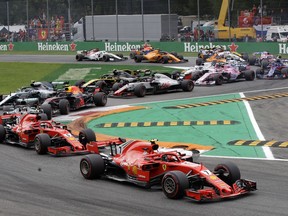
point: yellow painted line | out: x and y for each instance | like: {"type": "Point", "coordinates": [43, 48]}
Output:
{"type": "Point", "coordinates": [134, 124]}
{"type": "Point", "coordinates": [254, 143]}
{"type": "Point", "coordinates": [200, 122]}
{"type": "Point", "coordinates": [147, 124]}
{"type": "Point", "coordinates": [107, 125]}
{"type": "Point", "coordinates": [226, 122]}
{"type": "Point", "coordinates": [270, 143]}
{"type": "Point", "coordinates": [173, 123]}
{"type": "Point", "coordinates": [213, 122]}
{"type": "Point", "coordinates": [240, 142]}
{"type": "Point", "coordinates": [121, 124]}
{"type": "Point", "coordinates": [284, 144]}
{"type": "Point", "coordinates": [160, 123]}
{"type": "Point", "coordinates": [186, 123]}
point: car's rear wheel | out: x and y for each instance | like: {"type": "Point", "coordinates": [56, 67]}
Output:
{"type": "Point", "coordinates": [116, 86]}
{"type": "Point", "coordinates": [41, 143]}
{"type": "Point", "coordinates": [174, 184]}
{"type": "Point", "coordinates": [264, 63]}
{"type": "Point", "coordinates": [228, 172]}
{"type": "Point", "coordinates": [138, 58]}
{"type": "Point", "coordinates": [187, 85]}
{"type": "Point", "coordinates": [100, 99]}
{"type": "Point", "coordinates": [2, 133]}
{"type": "Point", "coordinates": [284, 73]}
{"type": "Point", "coordinates": [43, 117]}
{"type": "Point", "coordinates": [92, 166]}
{"type": "Point", "coordinates": [218, 79]}
{"type": "Point", "coordinates": [140, 90]}
{"type": "Point", "coordinates": [249, 75]}
{"type": "Point", "coordinates": [252, 60]}
{"type": "Point", "coordinates": [64, 107]}
{"type": "Point", "coordinates": [47, 109]}
{"type": "Point", "coordinates": [86, 136]}
{"type": "Point", "coordinates": [132, 54]}
{"type": "Point", "coordinates": [199, 61]}
{"type": "Point", "coordinates": [164, 59]}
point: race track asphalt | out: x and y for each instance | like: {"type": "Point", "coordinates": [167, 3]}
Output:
{"type": "Point", "coordinates": [43, 185]}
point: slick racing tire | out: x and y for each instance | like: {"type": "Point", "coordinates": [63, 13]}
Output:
{"type": "Point", "coordinates": [100, 99]}
{"type": "Point", "coordinates": [138, 58]}
{"type": "Point", "coordinates": [43, 117]}
{"type": "Point", "coordinates": [132, 54]}
{"type": "Point", "coordinates": [2, 133]}
{"type": "Point", "coordinates": [92, 166]}
{"type": "Point", "coordinates": [199, 61]}
{"type": "Point", "coordinates": [86, 136]}
{"type": "Point", "coordinates": [264, 63]}
{"type": "Point", "coordinates": [116, 86]}
{"type": "Point", "coordinates": [284, 73]}
{"type": "Point", "coordinates": [252, 60]}
{"type": "Point", "coordinates": [174, 184]}
{"type": "Point", "coordinates": [187, 85]}
{"type": "Point", "coordinates": [140, 90]}
{"type": "Point", "coordinates": [79, 83]}
{"type": "Point", "coordinates": [218, 79]}
{"type": "Point", "coordinates": [164, 60]}
{"type": "Point", "coordinates": [249, 75]}
{"type": "Point", "coordinates": [105, 58]}
{"type": "Point", "coordinates": [79, 57]}
{"type": "Point", "coordinates": [228, 172]}
{"type": "Point", "coordinates": [245, 56]}
{"type": "Point", "coordinates": [47, 109]}
{"type": "Point", "coordinates": [64, 107]}
{"type": "Point", "coordinates": [41, 143]}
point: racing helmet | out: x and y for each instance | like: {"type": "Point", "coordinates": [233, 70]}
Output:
{"type": "Point", "coordinates": [68, 89]}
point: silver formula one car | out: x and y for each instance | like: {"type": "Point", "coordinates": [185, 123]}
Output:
{"type": "Point", "coordinates": [97, 55]}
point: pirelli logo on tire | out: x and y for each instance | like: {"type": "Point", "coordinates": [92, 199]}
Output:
{"type": "Point", "coordinates": [268, 143]}
{"type": "Point", "coordinates": [263, 97]}
{"type": "Point", "coordinates": [166, 123]}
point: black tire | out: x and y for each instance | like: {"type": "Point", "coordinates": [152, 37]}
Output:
{"type": "Point", "coordinates": [2, 133]}
{"type": "Point", "coordinates": [180, 57]}
{"type": "Point", "coordinates": [174, 184]}
{"type": "Point", "coordinates": [245, 56]}
{"type": "Point", "coordinates": [41, 143]}
{"type": "Point", "coordinates": [120, 55]}
{"type": "Point", "coordinates": [64, 107]}
{"type": "Point", "coordinates": [92, 166]}
{"type": "Point", "coordinates": [100, 99]}
{"type": "Point", "coordinates": [86, 136]}
{"type": "Point", "coordinates": [284, 73]}
{"type": "Point", "coordinates": [252, 60]}
{"type": "Point", "coordinates": [218, 79]}
{"type": "Point", "coordinates": [199, 61]}
{"type": "Point", "coordinates": [138, 58]}
{"type": "Point", "coordinates": [187, 85]}
{"type": "Point", "coordinates": [249, 75]}
{"type": "Point", "coordinates": [43, 117]}
{"type": "Point", "coordinates": [228, 172]}
{"type": "Point", "coordinates": [101, 84]}
{"type": "Point", "coordinates": [105, 58]}
{"type": "Point", "coordinates": [116, 86]}
{"type": "Point", "coordinates": [164, 59]}
{"type": "Point", "coordinates": [264, 63]}
{"type": "Point", "coordinates": [79, 57]}
{"type": "Point", "coordinates": [132, 55]}
{"type": "Point", "coordinates": [47, 109]}
{"type": "Point", "coordinates": [140, 90]}
{"type": "Point", "coordinates": [79, 83]}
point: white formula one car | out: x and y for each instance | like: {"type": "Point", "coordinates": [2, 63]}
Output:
{"type": "Point", "coordinates": [97, 55]}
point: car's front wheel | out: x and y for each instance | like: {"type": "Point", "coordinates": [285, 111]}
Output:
{"type": "Point", "coordinates": [41, 143]}
{"type": "Point", "coordinates": [174, 184]}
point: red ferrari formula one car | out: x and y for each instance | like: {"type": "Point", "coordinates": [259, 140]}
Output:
{"type": "Point", "coordinates": [141, 163]}
{"type": "Point", "coordinates": [48, 136]}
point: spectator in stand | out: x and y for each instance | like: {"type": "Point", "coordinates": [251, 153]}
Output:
{"type": "Point", "coordinates": [254, 10]}
{"type": "Point", "coordinates": [258, 38]}
{"type": "Point", "coordinates": [246, 38]}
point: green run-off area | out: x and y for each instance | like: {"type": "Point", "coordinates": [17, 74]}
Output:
{"type": "Point", "coordinates": [207, 135]}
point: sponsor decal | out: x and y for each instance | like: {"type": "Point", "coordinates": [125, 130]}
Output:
{"type": "Point", "coordinates": [195, 47]}
{"type": "Point", "coordinates": [7, 47]}
{"type": "Point", "coordinates": [126, 47]}
{"type": "Point", "coordinates": [52, 47]}
{"type": "Point", "coordinates": [233, 47]}
{"type": "Point", "coordinates": [72, 46]}
{"type": "Point", "coordinates": [164, 167]}
{"type": "Point", "coordinates": [283, 49]}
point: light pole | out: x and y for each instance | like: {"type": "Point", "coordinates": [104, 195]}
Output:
{"type": "Point", "coordinates": [92, 12]}
{"type": "Point", "coordinates": [69, 18]}
{"type": "Point", "coordinates": [198, 29]}
{"type": "Point", "coordinates": [169, 20]}
{"type": "Point", "coordinates": [7, 4]}
{"type": "Point", "coordinates": [142, 12]}
{"type": "Point", "coordinates": [117, 29]}
{"type": "Point", "coordinates": [48, 24]}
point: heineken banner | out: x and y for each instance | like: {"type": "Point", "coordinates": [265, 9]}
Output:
{"type": "Point", "coordinates": [189, 47]}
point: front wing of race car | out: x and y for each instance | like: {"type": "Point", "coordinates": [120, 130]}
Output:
{"type": "Point", "coordinates": [240, 187]}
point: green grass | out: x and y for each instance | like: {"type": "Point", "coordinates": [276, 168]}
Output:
{"type": "Point", "coordinates": [16, 75]}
